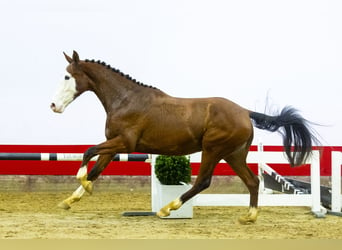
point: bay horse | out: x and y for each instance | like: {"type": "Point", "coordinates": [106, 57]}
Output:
{"type": "Point", "coordinates": [144, 119]}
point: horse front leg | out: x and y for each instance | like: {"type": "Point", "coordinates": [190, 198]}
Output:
{"type": "Point", "coordinates": [106, 150]}
{"type": "Point", "coordinates": [87, 180]}
{"type": "Point", "coordinates": [101, 163]}
{"type": "Point", "coordinates": [76, 196]}
{"type": "Point", "coordinates": [82, 177]}
{"type": "Point", "coordinates": [82, 174]}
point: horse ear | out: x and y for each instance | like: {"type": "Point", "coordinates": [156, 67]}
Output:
{"type": "Point", "coordinates": [68, 58]}
{"type": "Point", "coordinates": [75, 57]}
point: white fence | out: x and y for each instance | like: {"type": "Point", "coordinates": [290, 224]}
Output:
{"type": "Point", "coordinates": [261, 158]}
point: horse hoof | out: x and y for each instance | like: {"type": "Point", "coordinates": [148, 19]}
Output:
{"type": "Point", "coordinates": [245, 220]}
{"type": "Point", "coordinates": [173, 205]}
{"type": "Point", "coordinates": [163, 213]}
{"type": "Point", "coordinates": [250, 218]}
{"type": "Point", "coordinates": [64, 205]}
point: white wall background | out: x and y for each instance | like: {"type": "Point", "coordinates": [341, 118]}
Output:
{"type": "Point", "coordinates": [289, 52]}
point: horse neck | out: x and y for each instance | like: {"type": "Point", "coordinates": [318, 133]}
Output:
{"type": "Point", "coordinates": [114, 90]}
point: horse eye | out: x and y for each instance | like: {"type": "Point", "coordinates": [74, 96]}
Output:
{"type": "Point", "coordinates": [67, 77]}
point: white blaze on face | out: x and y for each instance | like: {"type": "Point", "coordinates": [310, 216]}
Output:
{"type": "Point", "coordinates": [65, 94]}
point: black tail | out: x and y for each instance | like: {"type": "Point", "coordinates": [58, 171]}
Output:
{"type": "Point", "coordinates": [295, 131]}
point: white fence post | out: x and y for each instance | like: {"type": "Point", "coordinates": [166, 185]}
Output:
{"type": "Point", "coordinates": [260, 164]}
{"type": "Point", "coordinates": [336, 201]}
{"type": "Point", "coordinates": [154, 191]}
{"type": "Point", "coordinates": [316, 185]}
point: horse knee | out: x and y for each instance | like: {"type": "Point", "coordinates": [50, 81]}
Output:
{"type": "Point", "coordinates": [88, 154]}
{"type": "Point", "coordinates": [100, 165]}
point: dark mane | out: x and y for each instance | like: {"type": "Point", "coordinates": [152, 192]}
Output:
{"type": "Point", "coordinates": [119, 72]}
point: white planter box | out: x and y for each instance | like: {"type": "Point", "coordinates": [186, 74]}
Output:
{"type": "Point", "coordinates": [168, 193]}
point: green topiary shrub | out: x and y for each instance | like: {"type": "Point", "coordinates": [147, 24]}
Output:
{"type": "Point", "coordinates": [172, 170]}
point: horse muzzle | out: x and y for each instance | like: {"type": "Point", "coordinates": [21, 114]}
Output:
{"type": "Point", "coordinates": [56, 109]}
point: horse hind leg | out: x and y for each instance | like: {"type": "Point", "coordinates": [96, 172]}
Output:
{"type": "Point", "coordinates": [202, 182]}
{"type": "Point", "coordinates": [238, 163]}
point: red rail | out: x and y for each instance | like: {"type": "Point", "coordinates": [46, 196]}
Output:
{"type": "Point", "coordinates": [14, 167]}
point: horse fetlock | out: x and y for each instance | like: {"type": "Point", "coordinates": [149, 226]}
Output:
{"type": "Point", "coordinates": [87, 185]}
{"type": "Point", "coordinates": [83, 179]}
{"type": "Point", "coordinates": [250, 218]}
{"type": "Point", "coordinates": [173, 205]}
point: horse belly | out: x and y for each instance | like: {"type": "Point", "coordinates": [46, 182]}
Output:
{"type": "Point", "coordinates": [170, 150]}
{"type": "Point", "coordinates": [169, 144]}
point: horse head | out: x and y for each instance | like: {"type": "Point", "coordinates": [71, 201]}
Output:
{"type": "Point", "coordinates": [74, 84]}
